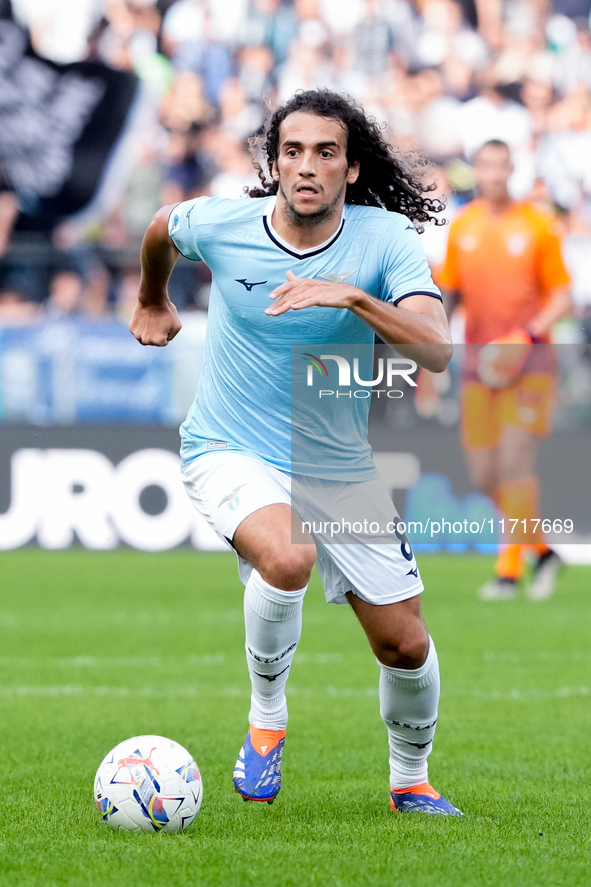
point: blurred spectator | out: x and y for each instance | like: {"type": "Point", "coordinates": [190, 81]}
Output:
{"type": "Point", "coordinates": [127, 293]}
{"type": "Point", "coordinates": [189, 39]}
{"type": "Point", "coordinates": [16, 309]}
{"type": "Point", "coordinates": [59, 28]}
{"type": "Point", "coordinates": [8, 214]}
{"type": "Point", "coordinates": [240, 118]}
{"type": "Point", "coordinates": [235, 169]}
{"type": "Point", "coordinates": [490, 115]}
{"type": "Point", "coordinates": [185, 176]}
{"type": "Point", "coordinates": [65, 295]}
{"type": "Point", "coordinates": [374, 41]}
{"type": "Point", "coordinates": [573, 64]}
{"type": "Point", "coordinates": [445, 75]}
{"type": "Point", "coordinates": [577, 255]}
{"type": "Point", "coordinates": [96, 296]}
{"type": "Point", "coordinates": [564, 155]}
{"type": "Point", "coordinates": [307, 66]}
{"type": "Point", "coordinates": [130, 35]}
{"type": "Point", "coordinates": [434, 115]}
{"type": "Point", "coordinates": [537, 95]}
{"type": "Point", "coordinates": [185, 105]}
{"type": "Point", "coordinates": [270, 22]}
{"type": "Point", "coordinates": [445, 35]}
{"type": "Point", "coordinates": [257, 72]}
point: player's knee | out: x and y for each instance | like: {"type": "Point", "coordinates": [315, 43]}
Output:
{"type": "Point", "coordinates": [409, 651]}
{"type": "Point", "coordinates": [289, 569]}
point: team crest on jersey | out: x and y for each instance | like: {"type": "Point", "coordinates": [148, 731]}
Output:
{"type": "Point", "coordinates": [175, 224]}
{"type": "Point", "coordinates": [337, 278]}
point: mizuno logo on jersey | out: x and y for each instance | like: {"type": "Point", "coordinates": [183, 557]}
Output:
{"type": "Point", "coordinates": [248, 286]}
{"type": "Point", "coordinates": [337, 278]}
{"type": "Point", "coordinates": [414, 572]}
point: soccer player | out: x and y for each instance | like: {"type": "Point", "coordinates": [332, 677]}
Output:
{"type": "Point", "coordinates": [327, 254]}
{"type": "Point", "coordinates": [504, 266]}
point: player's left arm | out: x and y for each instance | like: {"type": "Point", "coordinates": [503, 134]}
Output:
{"type": "Point", "coordinates": [554, 280]}
{"type": "Point", "coordinates": [419, 329]}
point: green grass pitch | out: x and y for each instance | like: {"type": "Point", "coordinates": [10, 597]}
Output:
{"type": "Point", "coordinates": [97, 647]}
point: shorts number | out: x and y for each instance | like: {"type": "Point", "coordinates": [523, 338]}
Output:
{"type": "Point", "coordinates": [405, 548]}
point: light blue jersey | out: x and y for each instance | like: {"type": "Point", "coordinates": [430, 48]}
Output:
{"type": "Point", "coordinates": [244, 398]}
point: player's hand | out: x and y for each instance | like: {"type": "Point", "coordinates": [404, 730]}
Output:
{"type": "Point", "coordinates": [155, 324]}
{"type": "Point", "coordinates": [304, 292]}
{"type": "Point", "coordinates": [501, 362]}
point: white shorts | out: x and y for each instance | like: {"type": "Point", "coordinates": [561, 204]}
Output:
{"type": "Point", "coordinates": [226, 487]}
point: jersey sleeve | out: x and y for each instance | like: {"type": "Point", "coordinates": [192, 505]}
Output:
{"type": "Point", "coordinates": [183, 224]}
{"type": "Point", "coordinates": [447, 274]}
{"type": "Point", "coordinates": [551, 268]}
{"type": "Point", "coordinates": [405, 270]}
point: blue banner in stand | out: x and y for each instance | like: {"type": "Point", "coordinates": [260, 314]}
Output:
{"type": "Point", "coordinates": [81, 372]}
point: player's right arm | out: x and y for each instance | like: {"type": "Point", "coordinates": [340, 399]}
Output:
{"type": "Point", "coordinates": [155, 320]}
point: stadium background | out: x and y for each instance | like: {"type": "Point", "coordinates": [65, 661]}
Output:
{"type": "Point", "coordinates": [153, 102]}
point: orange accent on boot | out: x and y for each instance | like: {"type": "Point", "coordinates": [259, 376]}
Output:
{"type": "Point", "coordinates": [509, 563]}
{"type": "Point", "coordinates": [541, 550]}
{"type": "Point", "coordinates": [422, 789]}
{"type": "Point", "coordinates": [263, 741]}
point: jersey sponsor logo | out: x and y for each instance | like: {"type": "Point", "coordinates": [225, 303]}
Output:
{"type": "Point", "coordinates": [337, 278]}
{"type": "Point", "coordinates": [217, 445]}
{"type": "Point", "coordinates": [248, 286]}
{"type": "Point", "coordinates": [232, 500]}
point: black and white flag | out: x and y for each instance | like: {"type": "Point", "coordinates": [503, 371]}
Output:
{"type": "Point", "coordinates": [62, 127]}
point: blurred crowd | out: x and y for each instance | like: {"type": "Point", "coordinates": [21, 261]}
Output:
{"type": "Point", "coordinates": [443, 75]}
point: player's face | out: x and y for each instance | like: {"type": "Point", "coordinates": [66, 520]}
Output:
{"type": "Point", "coordinates": [312, 168]}
{"type": "Point", "coordinates": [492, 170]}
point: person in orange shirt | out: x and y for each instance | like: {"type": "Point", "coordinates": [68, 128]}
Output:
{"type": "Point", "coordinates": [504, 266]}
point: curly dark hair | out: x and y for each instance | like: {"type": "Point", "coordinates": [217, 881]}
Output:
{"type": "Point", "coordinates": [387, 177]}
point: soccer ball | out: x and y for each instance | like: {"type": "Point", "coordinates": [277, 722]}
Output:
{"type": "Point", "coordinates": [148, 784]}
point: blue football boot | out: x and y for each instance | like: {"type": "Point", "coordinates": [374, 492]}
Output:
{"type": "Point", "coordinates": [257, 773]}
{"type": "Point", "coordinates": [421, 799]}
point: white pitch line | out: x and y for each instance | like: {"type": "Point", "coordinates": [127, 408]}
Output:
{"type": "Point", "coordinates": [193, 660]}
{"type": "Point", "coordinates": [532, 694]}
{"type": "Point", "coordinates": [536, 656]}
{"type": "Point", "coordinates": [89, 662]}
